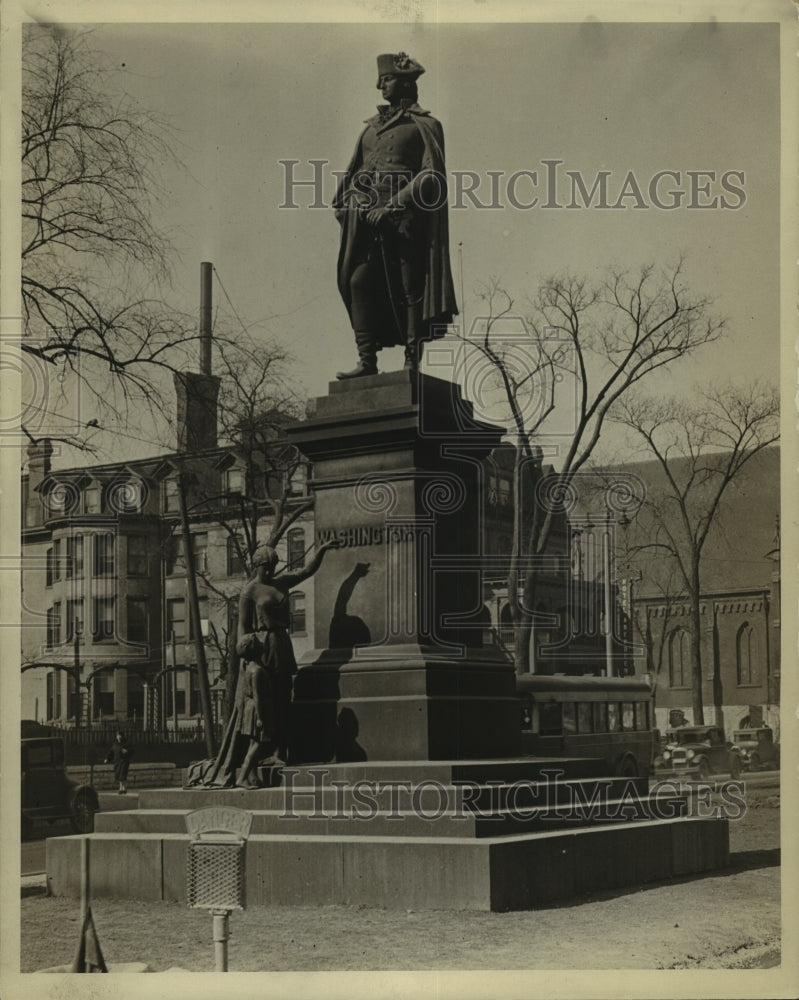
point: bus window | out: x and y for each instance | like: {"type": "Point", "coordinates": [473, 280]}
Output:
{"type": "Point", "coordinates": [627, 716]}
{"type": "Point", "coordinates": [584, 721]}
{"type": "Point", "coordinates": [614, 717]}
{"type": "Point", "coordinates": [569, 717]}
{"type": "Point", "coordinates": [600, 717]}
{"type": "Point", "coordinates": [641, 716]}
{"type": "Point", "coordinates": [550, 722]}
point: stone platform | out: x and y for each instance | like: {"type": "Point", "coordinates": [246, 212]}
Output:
{"type": "Point", "coordinates": [487, 835]}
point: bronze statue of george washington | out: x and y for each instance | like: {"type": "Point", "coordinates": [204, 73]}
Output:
{"type": "Point", "coordinates": [393, 266]}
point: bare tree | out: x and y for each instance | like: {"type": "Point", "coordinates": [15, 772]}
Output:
{"type": "Point", "coordinates": [587, 346]}
{"type": "Point", "coordinates": [653, 630]}
{"type": "Point", "coordinates": [700, 446]}
{"type": "Point", "coordinates": [257, 401]}
{"type": "Point", "coordinates": [93, 261]}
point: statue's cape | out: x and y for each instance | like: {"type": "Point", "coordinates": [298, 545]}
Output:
{"type": "Point", "coordinates": [439, 304]}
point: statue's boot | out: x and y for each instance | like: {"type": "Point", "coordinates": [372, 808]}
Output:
{"type": "Point", "coordinates": [414, 343]}
{"type": "Point", "coordinates": [367, 357]}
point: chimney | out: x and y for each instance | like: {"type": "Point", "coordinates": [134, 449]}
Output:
{"type": "Point", "coordinates": [197, 393]}
{"type": "Point", "coordinates": [39, 455]}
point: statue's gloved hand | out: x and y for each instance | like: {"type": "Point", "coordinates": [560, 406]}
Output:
{"type": "Point", "coordinates": [249, 647]}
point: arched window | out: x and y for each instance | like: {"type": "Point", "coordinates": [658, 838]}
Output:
{"type": "Point", "coordinates": [679, 660]}
{"type": "Point", "coordinates": [296, 548]}
{"type": "Point", "coordinates": [746, 649]}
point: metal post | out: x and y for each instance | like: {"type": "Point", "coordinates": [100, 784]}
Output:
{"type": "Point", "coordinates": [606, 554]}
{"type": "Point", "coordinates": [221, 935]}
{"type": "Point", "coordinates": [174, 684]}
{"type": "Point", "coordinates": [76, 667]}
{"type": "Point", "coordinates": [84, 877]}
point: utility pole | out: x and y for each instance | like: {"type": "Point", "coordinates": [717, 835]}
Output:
{"type": "Point", "coordinates": [607, 558]}
{"type": "Point", "coordinates": [194, 610]}
{"type": "Point", "coordinates": [78, 628]}
{"type": "Point", "coordinates": [174, 684]}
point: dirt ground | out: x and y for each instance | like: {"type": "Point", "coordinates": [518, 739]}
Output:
{"type": "Point", "coordinates": [660, 926]}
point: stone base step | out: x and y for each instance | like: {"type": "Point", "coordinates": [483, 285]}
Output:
{"type": "Point", "coordinates": [489, 873]}
{"type": "Point", "coordinates": [367, 796]}
{"type": "Point", "coordinates": [506, 769]}
{"type": "Point", "coordinates": [357, 819]}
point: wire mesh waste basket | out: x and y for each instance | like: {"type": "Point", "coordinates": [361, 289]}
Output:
{"type": "Point", "coordinates": [215, 868]}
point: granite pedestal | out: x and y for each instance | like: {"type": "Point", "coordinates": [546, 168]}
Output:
{"type": "Point", "coordinates": [399, 670]}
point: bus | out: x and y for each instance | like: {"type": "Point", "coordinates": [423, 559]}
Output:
{"type": "Point", "coordinates": [587, 716]}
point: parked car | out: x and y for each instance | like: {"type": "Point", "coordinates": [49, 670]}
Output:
{"type": "Point", "coordinates": [697, 752]}
{"type": "Point", "coordinates": [46, 791]}
{"type": "Point", "coordinates": [757, 749]}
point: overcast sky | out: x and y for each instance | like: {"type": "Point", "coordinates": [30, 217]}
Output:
{"type": "Point", "coordinates": [640, 98]}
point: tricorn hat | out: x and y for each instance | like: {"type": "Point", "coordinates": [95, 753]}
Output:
{"type": "Point", "coordinates": [397, 64]}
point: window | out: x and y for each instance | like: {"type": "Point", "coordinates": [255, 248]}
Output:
{"type": "Point", "coordinates": [584, 717]}
{"type": "Point", "coordinates": [600, 713]}
{"type": "Point", "coordinates": [195, 705]}
{"type": "Point", "coordinates": [57, 559]}
{"type": "Point", "coordinates": [203, 602]}
{"type": "Point", "coordinates": [297, 613]}
{"type": "Point", "coordinates": [91, 500]}
{"type": "Point", "coordinates": [103, 687]}
{"type": "Point", "coordinates": [74, 614]}
{"type": "Point", "coordinates": [171, 501]}
{"type": "Point", "coordinates": [627, 716]}
{"type": "Point", "coordinates": [61, 498]}
{"type": "Point", "coordinates": [569, 717]}
{"type": "Point", "coordinates": [679, 665]}
{"type": "Point", "coordinates": [54, 625]}
{"type": "Point", "coordinates": [550, 722]}
{"type": "Point", "coordinates": [235, 563]}
{"type": "Point", "coordinates": [199, 542]}
{"type": "Point", "coordinates": [499, 491]}
{"type": "Point", "coordinates": [135, 696]}
{"type": "Point", "coordinates": [74, 560]}
{"type": "Point", "coordinates": [54, 694]}
{"type": "Point", "coordinates": [641, 716]}
{"type": "Point", "coordinates": [746, 649]}
{"type": "Point", "coordinates": [73, 698]}
{"type": "Point", "coordinates": [614, 717]}
{"type": "Point", "coordinates": [296, 548]}
{"type": "Point", "coordinates": [176, 619]}
{"type": "Point", "coordinates": [137, 555]}
{"type": "Point", "coordinates": [49, 568]}
{"type": "Point", "coordinates": [128, 496]}
{"type": "Point", "coordinates": [104, 554]}
{"type": "Point", "coordinates": [103, 628]}
{"type": "Point", "coordinates": [297, 481]}
{"type": "Point", "coordinates": [174, 555]}
{"type": "Point", "coordinates": [138, 619]}
{"type": "Point", "coordinates": [176, 693]}
{"type": "Point", "coordinates": [233, 482]}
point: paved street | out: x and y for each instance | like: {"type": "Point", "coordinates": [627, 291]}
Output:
{"type": "Point", "coordinates": [32, 858]}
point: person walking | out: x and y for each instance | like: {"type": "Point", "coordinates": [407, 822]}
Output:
{"type": "Point", "coordinates": [119, 755]}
